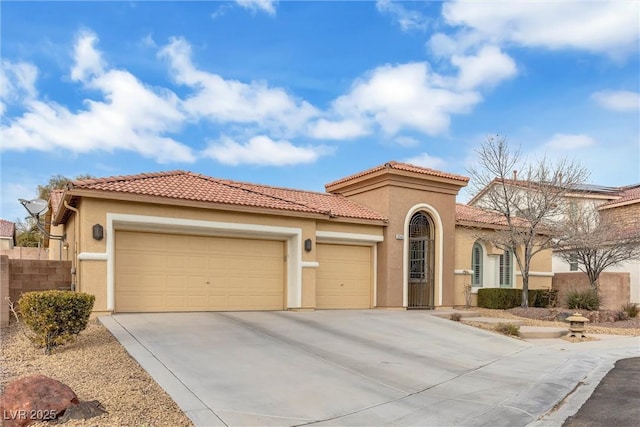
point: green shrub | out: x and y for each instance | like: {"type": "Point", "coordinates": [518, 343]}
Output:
{"type": "Point", "coordinates": [506, 298]}
{"type": "Point", "coordinates": [508, 329]}
{"type": "Point", "coordinates": [55, 317]}
{"type": "Point", "coordinates": [583, 299]}
{"type": "Point", "coordinates": [499, 298]}
{"type": "Point", "coordinates": [630, 310]}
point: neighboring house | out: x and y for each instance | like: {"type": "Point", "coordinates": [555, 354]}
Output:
{"type": "Point", "coordinates": [7, 234]}
{"type": "Point", "coordinates": [481, 265]}
{"type": "Point", "coordinates": [622, 204]}
{"type": "Point", "coordinates": [180, 241]}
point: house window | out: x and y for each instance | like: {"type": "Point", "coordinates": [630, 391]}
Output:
{"type": "Point", "coordinates": [506, 269]}
{"type": "Point", "coordinates": [476, 265]}
{"type": "Point", "coordinates": [573, 263]}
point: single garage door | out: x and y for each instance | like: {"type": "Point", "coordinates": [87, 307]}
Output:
{"type": "Point", "coordinates": [171, 272]}
{"type": "Point", "coordinates": [343, 278]}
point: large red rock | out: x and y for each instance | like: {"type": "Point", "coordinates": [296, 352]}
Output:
{"type": "Point", "coordinates": [33, 398]}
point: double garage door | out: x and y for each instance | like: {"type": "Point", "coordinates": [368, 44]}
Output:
{"type": "Point", "coordinates": [157, 272]}
{"type": "Point", "coordinates": [172, 272]}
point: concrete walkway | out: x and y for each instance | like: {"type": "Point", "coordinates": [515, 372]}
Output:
{"type": "Point", "coordinates": [368, 367]}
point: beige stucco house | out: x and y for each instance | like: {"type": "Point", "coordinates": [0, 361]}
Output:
{"type": "Point", "coordinates": [386, 237]}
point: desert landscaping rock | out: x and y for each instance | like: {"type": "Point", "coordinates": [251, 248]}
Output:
{"type": "Point", "coordinates": [83, 411]}
{"type": "Point", "coordinates": [96, 367]}
{"type": "Point", "coordinates": [36, 397]}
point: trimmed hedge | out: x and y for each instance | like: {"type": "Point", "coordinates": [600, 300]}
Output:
{"type": "Point", "coordinates": [506, 298]}
{"type": "Point", "coordinates": [55, 317]}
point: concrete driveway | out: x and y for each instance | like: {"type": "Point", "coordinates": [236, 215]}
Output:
{"type": "Point", "coordinates": [368, 367]}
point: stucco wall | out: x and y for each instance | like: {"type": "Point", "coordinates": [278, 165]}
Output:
{"type": "Point", "coordinates": [614, 287]}
{"type": "Point", "coordinates": [540, 273]}
{"type": "Point", "coordinates": [91, 274]}
{"type": "Point", "coordinates": [395, 198]}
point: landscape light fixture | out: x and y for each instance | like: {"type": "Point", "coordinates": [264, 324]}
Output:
{"type": "Point", "coordinates": [36, 208]}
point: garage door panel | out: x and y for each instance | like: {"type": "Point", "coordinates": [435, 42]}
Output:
{"type": "Point", "coordinates": [344, 276]}
{"type": "Point", "coordinates": [156, 272]}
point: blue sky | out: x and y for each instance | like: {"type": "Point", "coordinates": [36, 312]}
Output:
{"type": "Point", "coordinates": [299, 94]}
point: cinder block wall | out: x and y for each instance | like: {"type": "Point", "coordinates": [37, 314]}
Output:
{"type": "Point", "coordinates": [4, 290]}
{"type": "Point", "coordinates": [614, 287]}
{"type": "Point", "coordinates": [20, 252]}
{"type": "Point", "coordinates": [21, 275]}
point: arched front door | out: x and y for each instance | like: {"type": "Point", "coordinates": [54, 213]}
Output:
{"type": "Point", "coordinates": [421, 262]}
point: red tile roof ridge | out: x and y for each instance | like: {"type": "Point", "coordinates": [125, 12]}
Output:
{"type": "Point", "coordinates": [275, 187]}
{"type": "Point", "coordinates": [241, 186]}
{"type": "Point", "coordinates": [392, 164]}
{"type": "Point", "coordinates": [117, 178]}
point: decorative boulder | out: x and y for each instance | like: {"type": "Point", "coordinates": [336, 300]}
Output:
{"type": "Point", "coordinates": [34, 398]}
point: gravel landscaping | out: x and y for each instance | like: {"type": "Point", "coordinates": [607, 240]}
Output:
{"type": "Point", "coordinates": [96, 367]}
{"type": "Point", "coordinates": [534, 316]}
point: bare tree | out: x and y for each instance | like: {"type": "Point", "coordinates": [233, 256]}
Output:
{"type": "Point", "coordinates": [530, 199]}
{"type": "Point", "coordinates": [595, 241]}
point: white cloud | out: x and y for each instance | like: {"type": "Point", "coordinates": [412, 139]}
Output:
{"type": "Point", "coordinates": [111, 123]}
{"type": "Point", "coordinates": [568, 142]}
{"type": "Point", "coordinates": [407, 19]}
{"type": "Point", "coordinates": [609, 27]}
{"type": "Point", "coordinates": [262, 150]}
{"type": "Point", "coordinates": [406, 141]}
{"type": "Point", "coordinates": [405, 96]}
{"type": "Point", "coordinates": [617, 100]}
{"type": "Point", "coordinates": [17, 83]}
{"type": "Point", "coordinates": [487, 68]}
{"type": "Point", "coordinates": [231, 101]}
{"type": "Point", "coordinates": [343, 129]}
{"type": "Point", "coordinates": [88, 60]}
{"type": "Point", "coordinates": [427, 161]}
{"type": "Point", "coordinates": [268, 6]}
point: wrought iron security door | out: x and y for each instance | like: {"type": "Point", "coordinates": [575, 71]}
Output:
{"type": "Point", "coordinates": [421, 261]}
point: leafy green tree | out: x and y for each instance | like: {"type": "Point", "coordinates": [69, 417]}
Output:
{"type": "Point", "coordinates": [27, 234]}
{"type": "Point", "coordinates": [57, 182]}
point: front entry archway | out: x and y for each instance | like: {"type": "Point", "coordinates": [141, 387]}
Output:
{"type": "Point", "coordinates": [421, 292]}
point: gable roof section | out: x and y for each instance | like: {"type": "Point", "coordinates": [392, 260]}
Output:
{"type": "Point", "coordinates": [188, 186]}
{"type": "Point", "coordinates": [399, 166]}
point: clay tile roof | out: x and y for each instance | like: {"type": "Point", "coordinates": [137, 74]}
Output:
{"type": "Point", "coordinates": [466, 213]}
{"type": "Point", "coordinates": [630, 194]}
{"type": "Point", "coordinates": [56, 199]}
{"type": "Point", "coordinates": [403, 167]}
{"type": "Point", "coordinates": [183, 185]}
{"type": "Point", "coordinates": [7, 229]}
